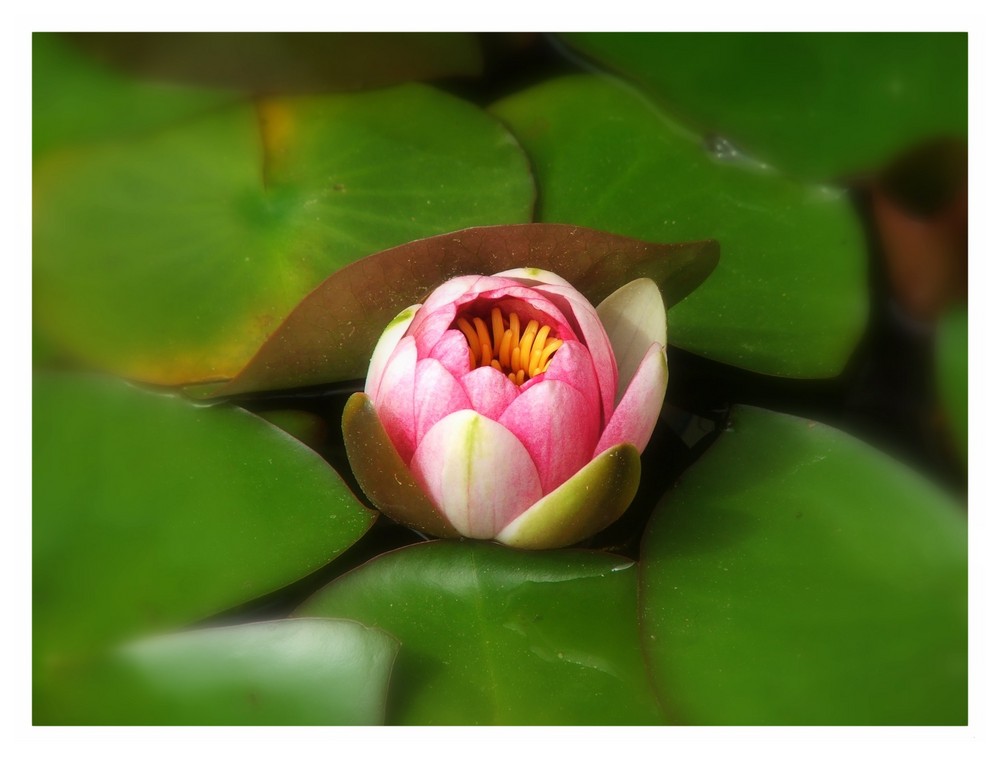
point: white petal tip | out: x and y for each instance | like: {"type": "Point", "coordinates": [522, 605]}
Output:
{"type": "Point", "coordinates": [635, 317]}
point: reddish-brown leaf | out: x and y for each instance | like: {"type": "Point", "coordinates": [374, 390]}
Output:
{"type": "Point", "coordinates": [330, 335]}
{"type": "Point", "coordinates": [921, 211]}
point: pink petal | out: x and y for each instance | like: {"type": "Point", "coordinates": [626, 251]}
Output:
{"type": "Point", "coordinates": [384, 348]}
{"type": "Point", "coordinates": [394, 400]}
{"type": "Point", "coordinates": [449, 292]}
{"type": "Point", "coordinates": [634, 318]}
{"type": "Point", "coordinates": [452, 351]}
{"type": "Point", "coordinates": [558, 428]}
{"type": "Point", "coordinates": [534, 276]}
{"type": "Point", "coordinates": [573, 365]}
{"type": "Point", "coordinates": [489, 391]}
{"type": "Point", "coordinates": [588, 325]}
{"type": "Point", "coordinates": [636, 414]}
{"type": "Point", "coordinates": [476, 472]}
{"type": "Point", "coordinates": [436, 394]}
{"type": "Point", "coordinates": [463, 286]}
{"type": "Point", "coordinates": [430, 327]}
{"type": "Point", "coordinates": [454, 290]}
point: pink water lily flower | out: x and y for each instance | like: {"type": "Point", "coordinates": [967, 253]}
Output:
{"type": "Point", "coordinates": [507, 407]}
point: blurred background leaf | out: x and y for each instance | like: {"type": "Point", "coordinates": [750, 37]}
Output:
{"type": "Point", "coordinates": [790, 294]}
{"type": "Point", "coordinates": [267, 62]}
{"type": "Point", "coordinates": [171, 258]}
{"type": "Point", "coordinates": [497, 636]}
{"type": "Point", "coordinates": [798, 576]}
{"type": "Point", "coordinates": [821, 106]}
{"type": "Point", "coordinates": [149, 513]}
{"type": "Point", "coordinates": [298, 671]}
{"type": "Point", "coordinates": [78, 99]}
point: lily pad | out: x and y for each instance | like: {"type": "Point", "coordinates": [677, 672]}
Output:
{"type": "Point", "coordinates": [798, 576]}
{"type": "Point", "coordinates": [301, 671]}
{"type": "Point", "coordinates": [76, 98]}
{"type": "Point", "coordinates": [269, 62]}
{"type": "Point", "coordinates": [149, 513]}
{"type": "Point", "coordinates": [331, 334]}
{"type": "Point", "coordinates": [489, 634]}
{"type": "Point", "coordinates": [952, 367]}
{"type": "Point", "coordinates": [172, 257]}
{"type": "Point", "coordinates": [817, 105]}
{"type": "Point", "coordinates": [790, 296]}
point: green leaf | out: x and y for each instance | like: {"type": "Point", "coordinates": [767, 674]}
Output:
{"type": "Point", "coordinates": [149, 513]}
{"type": "Point", "coordinates": [790, 295]}
{"type": "Point", "coordinates": [302, 671]}
{"type": "Point", "coordinates": [75, 98]}
{"type": "Point", "coordinates": [269, 62]}
{"type": "Point", "coordinates": [952, 368]}
{"type": "Point", "coordinates": [798, 576]}
{"type": "Point", "coordinates": [171, 258]}
{"type": "Point", "coordinates": [817, 105]}
{"type": "Point", "coordinates": [498, 636]}
{"type": "Point", "coordinates": [331, 334]}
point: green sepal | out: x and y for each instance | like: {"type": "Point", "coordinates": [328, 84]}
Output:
{"type": "Point", "coordinates": [591, 499]}
{"type": "Point", "coordinates": [382, 474]}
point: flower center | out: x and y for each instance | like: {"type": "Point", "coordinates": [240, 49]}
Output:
{"type": "Point", "coordinates": [502, 345]}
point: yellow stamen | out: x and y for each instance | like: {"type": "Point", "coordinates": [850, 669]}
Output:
{"type": "Point", "coordinates": [536, 356]}
{"type": "Point", "coordinates": [527, 339]}
{"type": "Point", "coordinates": [550, 347]}
{"type": "Point", "coordinates": [484, 341]}
{"type": "Point", "coordinates": [497, 326]}
{"type": "Point", "coordinates": [539, 342]}
{"type": "Point", "coordinates": [505, 357]}
{"type": "Point", "coordinates": [501, 345]}
{"type": "Point", "coordinates": [470, 335]}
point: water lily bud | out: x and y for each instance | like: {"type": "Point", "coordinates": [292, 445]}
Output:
{"type": "Point", "coordinates": [507, 407]}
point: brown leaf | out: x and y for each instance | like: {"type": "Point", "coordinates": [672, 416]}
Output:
{"type": "Point", "coordinates": [330, 335]}
{"type": "Point", "coordinates": [920, 206]}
